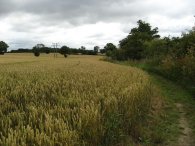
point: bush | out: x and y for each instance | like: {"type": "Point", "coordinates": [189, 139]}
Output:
{"type": "Point", "coordinates": [119, 54]}
{"type": "Point", "coordinates": [65, 55]}
{"type": "Point", "coordinates": [37, 54]}
{"type": "Point", "coordinates": [64, 50]}
{"type": "Point", "coordinates": [155, 48]}
{"type": "Point", "coordinates": [1, 53]}
{"type": "Point", "coordinates": [188, 66]}
{"type": "Point", "coordinates": [47, 50]}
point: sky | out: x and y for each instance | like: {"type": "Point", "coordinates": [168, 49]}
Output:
{"type": "Point", "coordinates": [75, 23]}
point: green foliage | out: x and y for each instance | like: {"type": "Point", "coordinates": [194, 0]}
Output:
{"type": "Point", "coordinates": [187, 42]}
{"type": "Point", "coordinates": [155, 48]}
{"type": "Point", "coordinates": [173, 58]}
{"type": "Point", "coordinates": [21, 50]}
{"type": "Point", "coordinates": [37, 53]}
{"type": "Point", "coordinates": [83, 48]}
{"type": "Point", "coordinates": [65, 55]}
{"type": "Point", "coordinates": [170, 57]}
{"type": "Point", "coordinates": [102, 51]}
{"type": "Point", "coordinates": [119, 54]}
{"type": "Point", "coordinates": [64, 50]}
{"type": "Point", "coordinates": [188, 66]}
{"type": "Point", "coordinates": [110, 47]}
{"type": "Point", "coordinates": [3, 47]}
{"type": "Point", "coordinates": [47, 50]}
{"type": "Point", "coordinates": [96, 49]}
{"type": "Point", "coordinates": [134, 42]}
{"type": "Point", "coordinates": [37, 49]}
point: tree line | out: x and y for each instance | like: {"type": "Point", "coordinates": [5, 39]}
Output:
{"type": "Point", "coordinates": [172, 57]}
{"type": "Point", "coordinates": [64, 50]}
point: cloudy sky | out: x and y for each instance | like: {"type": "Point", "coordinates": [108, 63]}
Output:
{"type": "Point", "coordinates": [24, 23]}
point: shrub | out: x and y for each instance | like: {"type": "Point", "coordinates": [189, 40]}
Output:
{"type": "Point", "coordinates": [188, 66]}
{"type": "Point", "coordinates": [37, 54]}
{"type": "Point", "coordinates": [65, 55]}
{"type": "Point", "coordinates": [119, 55]}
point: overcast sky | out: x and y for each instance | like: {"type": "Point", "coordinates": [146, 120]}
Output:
{"type": "Point", "coordinates": [24, 23]}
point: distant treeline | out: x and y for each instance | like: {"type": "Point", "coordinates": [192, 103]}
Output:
{"type": "Point", "coordinates": [21, 51]}
{"type": "Point", "coordinates": [63, 50]}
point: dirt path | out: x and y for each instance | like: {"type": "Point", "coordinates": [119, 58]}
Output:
{"type": "Point", "coordinates": [185, 138]}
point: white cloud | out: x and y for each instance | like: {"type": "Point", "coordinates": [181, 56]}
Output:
{"type": "Point", "coordinates": [88, 22]}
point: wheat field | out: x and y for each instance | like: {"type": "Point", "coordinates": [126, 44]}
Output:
{"type": "Point", "coordinates": [77, 101]}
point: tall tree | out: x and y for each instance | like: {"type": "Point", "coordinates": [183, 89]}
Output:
{"type": "Point", "coordinates": [134, 42]}
{"type": "Point", "coordinates": [3, 47]}
{"type": "Point", "coordinates": [96, 49]}
{"type": "Point", "coordinates": [109, 49]}
{"type": "Point", "coordinates": [64, 50]}
{"type": "Point", "coordinates": [83, 48]}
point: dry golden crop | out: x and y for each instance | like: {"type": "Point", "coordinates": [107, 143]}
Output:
{"type": "Point", "coordinates": [79, 100]}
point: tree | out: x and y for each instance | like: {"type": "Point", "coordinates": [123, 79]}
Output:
{"type": "Point", "coordinates": [186, 43]}
{"type": "Point", "coordinates": [119, 54]}
{"type": "Point", "coordinates": [65, 55]}
{"type": "Point", "coordinates": [83, 48]}
{"type": "Point", "coordinates": [37, 54]}
{"type": "Point", "coordinates": [65, 50]}
{"type": "Point", "coordinates": [102, 51]}
{"type": "Point", "coordinates": [134, 42]}
{"type": "Point", "coordinates": [96, 49]}
{"type": "Point", "coordinates": [3, 47]}
{"type": "Point", "coordinates": [47, 50]}
{"type": "Point", "coordinates": [109, 49]}
{"type": "Point", "coordinates": [156, 49]}
{"type": "Point", "coordinates": [40, 46]}
{"type": "Point", "coordinates": [37, 49]}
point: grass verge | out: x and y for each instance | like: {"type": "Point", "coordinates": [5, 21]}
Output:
{"type": "Point", "coordinates": [167, 129]}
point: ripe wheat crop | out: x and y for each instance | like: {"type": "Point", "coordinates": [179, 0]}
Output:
{"type": "Point", "coordinates": [70, 102]}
